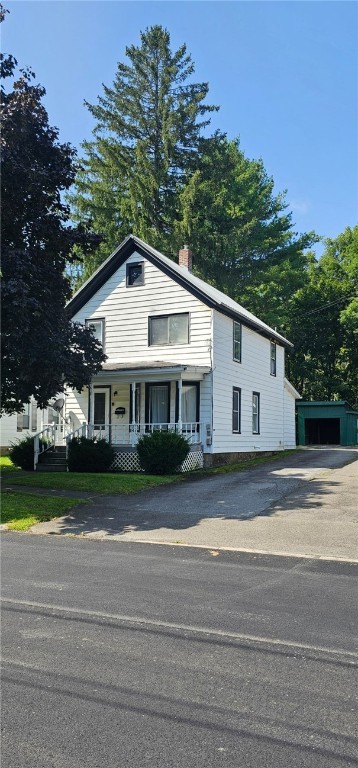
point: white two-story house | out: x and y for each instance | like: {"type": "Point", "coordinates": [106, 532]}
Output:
{"type": "Point", "coordinates": [180, 355]}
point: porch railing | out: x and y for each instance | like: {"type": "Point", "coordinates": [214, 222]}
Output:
{"type": "Point", "coordinates": [128, 434]}
{"type": "Point", "coordinates": [44, 441]}
{"type": "Point", "coordinates": [50, 437]}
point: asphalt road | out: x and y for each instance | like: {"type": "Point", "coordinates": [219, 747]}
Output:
{"type": "Point", "coordinates": [127, 655]}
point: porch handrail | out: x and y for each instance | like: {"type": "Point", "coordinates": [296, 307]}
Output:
{"type": "Point", "coordinates": [83, 431]}
{"type": "Point", "coordinates": [44, 441]}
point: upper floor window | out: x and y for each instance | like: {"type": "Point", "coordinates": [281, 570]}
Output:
{"type": "Point", "coordinates": [237, 342]}
{"type": "Point", "coordinates": [97, 328]}
{"type": "Point", "coordinates": [272, 358]}
{"type": "Point", "coordinates": [236, 409]}
{"type": "Point", "coordinates": [169, 329]}
{"type": "Point", "coordinates": [135, 274]}
{"type": "Point", "coordinates": [255, 413]}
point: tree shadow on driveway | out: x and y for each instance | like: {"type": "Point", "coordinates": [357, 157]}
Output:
{"type": "Point", "coordinates": [176, 509]}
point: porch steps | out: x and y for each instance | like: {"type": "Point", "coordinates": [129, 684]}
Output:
{"type": "Point", "coordinates": [53, 461]}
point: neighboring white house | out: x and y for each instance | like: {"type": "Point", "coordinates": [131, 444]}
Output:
{"type": "Point", "coordinates": [180, 355]}
{"type": "Point", "coordinates": [29, 422]}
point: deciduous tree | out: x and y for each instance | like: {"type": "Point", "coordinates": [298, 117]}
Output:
{"type": "Point", "coordinates": [41, 348]}
{"type": "Point", "coordinates": [324, 324]}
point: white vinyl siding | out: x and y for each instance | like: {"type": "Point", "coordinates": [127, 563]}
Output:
{"type": "Point", "coordinates": [253, 375]}
{"type": "Point", "coordinates": [18, 426]}
{"type": "Point", "coordinates": [127, 312]}
{"type": "Point", "coordinates": [289, 403]}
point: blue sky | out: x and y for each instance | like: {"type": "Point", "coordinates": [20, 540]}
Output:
{"type": "Point", "coordinates": [284, 74]}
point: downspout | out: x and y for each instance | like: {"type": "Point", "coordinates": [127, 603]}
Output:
{"type": "Point", "coordinates": [133, 433]}
{"type": "Point", "coordinates": [211, 426]}
{"type": "Point", "coordinates": [283, 403]}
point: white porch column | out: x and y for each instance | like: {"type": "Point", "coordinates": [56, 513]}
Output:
{"type": "Point", "coordinates": [133, 436]}
{"type": "Point", "coordinates": [180, 391]}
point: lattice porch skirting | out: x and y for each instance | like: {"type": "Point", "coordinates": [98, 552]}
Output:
{"type": "Point", "coordinates": [128, 461]}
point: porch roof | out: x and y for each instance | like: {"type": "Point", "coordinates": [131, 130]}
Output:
{"type": "Point", "coordinates": [150, 367]}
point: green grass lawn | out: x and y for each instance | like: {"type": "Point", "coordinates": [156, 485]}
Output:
{"type": "Point", "coordinates": [108, 482]}
{"type": "Point", "coordinates": [22, 510]}
{"type": "Point", "coordinates": [117, 482]}
{"type": "Point", "coordinates": [6, 465]}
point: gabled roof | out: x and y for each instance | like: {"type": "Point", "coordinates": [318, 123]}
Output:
{"type": "Point", "coordinates": [206, 293]}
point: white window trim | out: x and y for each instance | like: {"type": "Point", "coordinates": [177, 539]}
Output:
{"type": "Point", "coordinates": [167, 317]}
{"type": "Point", "coordinates": [91, 321]}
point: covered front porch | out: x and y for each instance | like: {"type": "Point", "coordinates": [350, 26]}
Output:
{"type": "Point", "coordinates": [125, 401]}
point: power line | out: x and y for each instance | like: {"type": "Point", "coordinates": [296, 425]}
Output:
{"type": "Point", "coordinates": [326, 306]}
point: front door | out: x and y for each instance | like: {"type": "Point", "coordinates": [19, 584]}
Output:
{"type": "Point", "coordinates": [102, 411]}
{"type": "Point", "coordinates": [158, 405]}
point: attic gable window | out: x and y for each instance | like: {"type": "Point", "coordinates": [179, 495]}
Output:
{"type": "Point", "coordinates": [97, 328]}
{"type": "Point", "coordinates": [169, 329]}
{"type": "Point", "coordinates": [135, 274]}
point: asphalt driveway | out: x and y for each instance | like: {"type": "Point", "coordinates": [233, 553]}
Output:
{"type": "Point", "coordinates": [305, 505]}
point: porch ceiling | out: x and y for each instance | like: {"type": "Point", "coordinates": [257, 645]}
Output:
{"type": "Point", "coordinates": [147, 370]}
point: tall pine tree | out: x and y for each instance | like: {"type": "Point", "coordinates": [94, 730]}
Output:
{"type": "Point", "coordinates": [240, 231]}
{"type": "Point", "coordinates": [148, 126]}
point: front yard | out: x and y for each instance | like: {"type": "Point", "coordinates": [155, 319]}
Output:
{"type": "Point", "coordinates": [19, 511]}
{"type": "Point", "coordinates": [24, 507]}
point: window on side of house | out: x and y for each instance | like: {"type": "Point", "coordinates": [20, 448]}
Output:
{"type": "Point", "coordinates": [135, 274]}
{"type": "Point", "coordinates": [97, 327]}
{"type": "Point", "coordinates": [168, 330]}
{"type": "Point", "coordinates": [255, 413]}
{"type": "Point", "coordinates": [237, 335]}
{"type": "Point", "coordinates": [236, 409]}
{"type": "Point", "coordinates": [27, 419]}
{"type": "Point", "coordinates": [273, 349]}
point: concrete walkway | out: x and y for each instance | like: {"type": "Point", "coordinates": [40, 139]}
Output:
{"type": "Point", "coordinates": [304, 505]}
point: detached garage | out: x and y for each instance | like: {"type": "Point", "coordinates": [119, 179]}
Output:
{"type": "Point", "coordinates": [327, 423]}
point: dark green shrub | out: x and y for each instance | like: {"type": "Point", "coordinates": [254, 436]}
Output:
{"type": "Point", "coordinates": [162, 453]}
{"type": "Point", "coordinates": [22, 453]}
{"type": "Point", "coordinates": [89, 454]}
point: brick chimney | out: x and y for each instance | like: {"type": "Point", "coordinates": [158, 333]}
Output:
{"type": "Point", "coordinates": [186, 258]}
